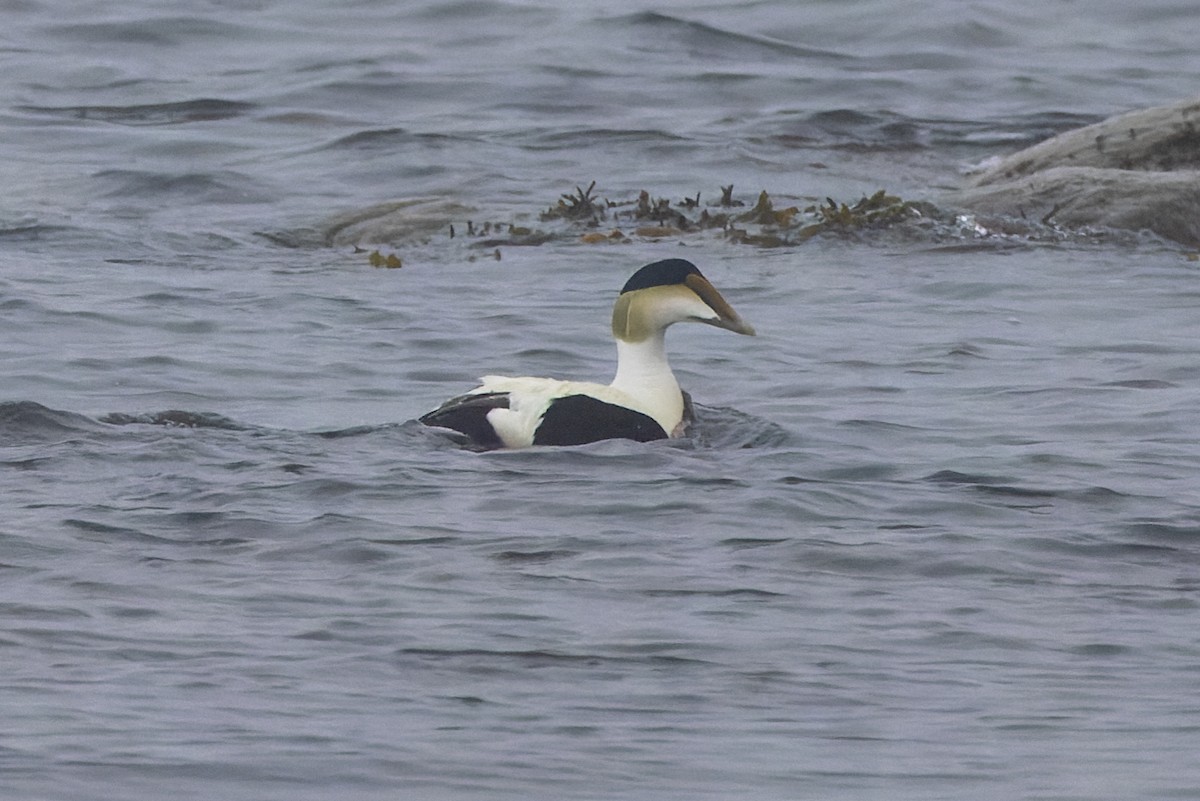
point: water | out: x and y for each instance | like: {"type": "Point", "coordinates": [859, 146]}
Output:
{"type": "Point", "coordinates": [936, 537]}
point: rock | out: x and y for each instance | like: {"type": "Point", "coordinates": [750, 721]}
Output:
{"type": "Point", "coordinates": [1136, 171]}
{"type": "Point", "coordinates": [393, 223]}
{"type": "Point", "coordinates": [1167, 203]}
{"type": "Point", "coordinates": [1163, 139]}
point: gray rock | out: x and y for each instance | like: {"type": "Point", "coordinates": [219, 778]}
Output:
{"type": "Point", "coordinates": [1163, 139]}
{"type": "Point", "coordinates": [1167, 203]}
{"type": "Point", "coordinates": [397, 222]}
{"type": "Point", "coordinates": [1136, 171]}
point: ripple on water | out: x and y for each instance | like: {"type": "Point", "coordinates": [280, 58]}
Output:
{"type": "Point", "coordinates": [176, 113]}
{"type": "Point", "coordinates": [27, 421]}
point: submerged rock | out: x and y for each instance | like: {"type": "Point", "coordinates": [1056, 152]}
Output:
{"type": "Point", "coordinates": [388, 223]}
{"type": "Point", "coordinates": [1167, 203]}
{"type": "Point", "coordinates": [1135, 171]}
{"type": "Point", "coordinates": [408, 221]}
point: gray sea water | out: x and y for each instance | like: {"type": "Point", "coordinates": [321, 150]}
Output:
{"type": "Point", "coordinates": [937, 536]}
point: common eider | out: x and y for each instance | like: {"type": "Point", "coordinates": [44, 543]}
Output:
{"type": "Point", "coordinates": [643, 402]}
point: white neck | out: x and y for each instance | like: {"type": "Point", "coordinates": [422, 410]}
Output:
{"type": "Point", "coordinates": [644, 374]}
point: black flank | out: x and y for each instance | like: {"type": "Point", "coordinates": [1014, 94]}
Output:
{"type": "Point", "coordinates": [579, 419]}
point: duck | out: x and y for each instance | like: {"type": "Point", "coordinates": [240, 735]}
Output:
{"type": "Point", "coordinates": [644, 401]}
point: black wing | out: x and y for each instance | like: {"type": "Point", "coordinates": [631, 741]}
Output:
{"type": "Point", "coordinates": [467, 414]}
{"type": "Point", "coordinates": [579, 419]}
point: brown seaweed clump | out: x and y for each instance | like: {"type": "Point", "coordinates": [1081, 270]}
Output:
{"type": "Point", "coordinates": [591, 219]}
{"type": "Point", "coordinates": [579, 207]}
{"type": "Point", "coordinates": [390, 261]}
{"type": "Point", "coordinates": [880, 210]}
{"type": "Point", "coordinates": [762, 225]}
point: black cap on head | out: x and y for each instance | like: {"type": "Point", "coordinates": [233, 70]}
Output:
{"type": "Point", "coordinates": [660, 273]}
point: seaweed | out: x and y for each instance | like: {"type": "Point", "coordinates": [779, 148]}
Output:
{"type": "Point", "coordinates": [727, 200]}
{"type": "Point", "coordinates": [595, 237]}
{"type": "Point", "coordinates": [765, 224]}
{"type": "Point", "coordinates": [877, 211]}
{"type": "Point", "coordinates": [576, 207]}
{"type": "Point", "coordinates": [659, 212]}
{"type": "Point", "coordinates": [762, 225]}
{"type": "Point", "coordinates": [391, 260]}
{"type": "Point", "coordinates": [764, 213]}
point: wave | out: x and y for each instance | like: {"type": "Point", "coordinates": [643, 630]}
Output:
{"type": "Point", "coordinates": [169, 32]}
{"type": "Point", "coordinates": [389, 139]}
{"type": "Point", "coordinates": [855, 130]}
{"type": "Point", "coordinates": [222, 186]}
{"type": "Point", "coordinates": [723, 428]}
{"type": "Point", "coordinates": [711, 40]}
{"type": "Point", "coordinates": [1018, 492]}
{"type": "Point", "coordinates": [198, 110]}
{"type": "Point", "coordinates": [32, 231]}
{"type": "Point", "coordinates": [175, 418]}
{"type": "Point", "coordinates": [23, 422]}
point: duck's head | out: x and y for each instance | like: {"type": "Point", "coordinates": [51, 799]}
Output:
{"type": "Point", "coordinates": [666, 292]}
